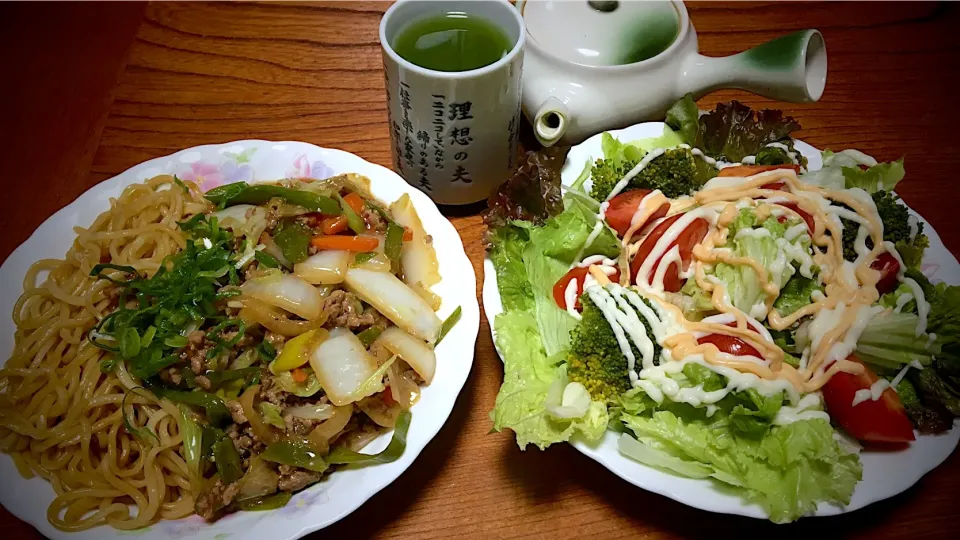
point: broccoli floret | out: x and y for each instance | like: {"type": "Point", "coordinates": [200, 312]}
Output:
{"type": "Point", "coordinates": [595, 359]}
{"type": "Point", "coordinates": [677, 172]}
{"type": "Point", "coordinates": [894, 216]}
{"type": "Point", "coordinates": [896, 226]}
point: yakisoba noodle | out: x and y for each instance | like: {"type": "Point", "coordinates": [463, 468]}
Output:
{"type": "Point", "coordinates": [199, 307]}
{"type": "Point", "coordinates": [60, 416]}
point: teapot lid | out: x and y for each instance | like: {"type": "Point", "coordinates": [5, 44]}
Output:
{"type": "Point", "coordinates": [601, 33]}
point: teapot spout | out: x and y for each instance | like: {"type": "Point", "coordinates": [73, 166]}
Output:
{"type": "Point", "coordinates": [551, 121]}
{"type": "Point", "coordinates": [790, 68]}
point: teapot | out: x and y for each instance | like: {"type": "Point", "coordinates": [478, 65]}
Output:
{"type": "Point", "coordinates": [594, 66]}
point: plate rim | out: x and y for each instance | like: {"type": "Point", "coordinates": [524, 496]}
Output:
{"type": "Point", "coordinates": [492, 306]}
{"type": "Point", "coordinates": [469, 323]}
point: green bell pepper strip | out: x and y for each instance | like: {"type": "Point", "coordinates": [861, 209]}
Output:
{"type": "Point", "coordinates": [368, 336]}
{"type": "Point", "coordinates": [293, 239]}
{"type": "Point", "coordinates": [217, 378]}
{"type": "Point", "coordinates": [363, 257]}
{"type": "Point", "coordinates": [393, 451]}
{"type": "Point", "coordinates": [448, 324]}
{"type": "Point", "coordinates": [243, 193]}
{"type": "Point", "coordinates": [267, 502]}
{"type": "Point", "coordinates": [216, 409]}
{"type": "Point", "coordinates": [354, 220]}
{"type": "Point", "coordinates": [294, 454]}
{"type": "Point", "coordinates": [393, 245]}
{"type": "Point", "coordinates": [267, 260]}
{"type": "Point", "coordinates": [227, 460]}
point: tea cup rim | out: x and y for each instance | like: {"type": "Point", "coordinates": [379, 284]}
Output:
{"type": "Point", "coordinates": [490, 68]}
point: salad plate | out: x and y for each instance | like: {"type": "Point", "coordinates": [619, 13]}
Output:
{"type": "Point", "coordinates": [885, 473]}
{"type": "Point", "coordinates": [254, 161]}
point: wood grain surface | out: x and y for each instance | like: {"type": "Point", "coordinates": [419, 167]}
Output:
{"type": "Point", "coordinates": [92, 89]}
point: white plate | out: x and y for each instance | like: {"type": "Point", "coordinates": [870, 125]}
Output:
{"type": "Point", "coordinates": [341, 492]}
{"type": "Point", "coordinates": [885, 474]}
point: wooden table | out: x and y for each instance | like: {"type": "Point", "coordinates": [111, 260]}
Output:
{"type": "Point", "coordinates": [90, 90]}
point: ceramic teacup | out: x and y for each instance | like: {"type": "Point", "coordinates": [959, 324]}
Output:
{"type": "Point", "coordinates": [453, 134]}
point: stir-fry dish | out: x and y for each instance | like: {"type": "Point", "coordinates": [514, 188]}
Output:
{"type": "Point", "coordinates": [732, 314]}
{"type": "Point", "coordinates": [207, 353]}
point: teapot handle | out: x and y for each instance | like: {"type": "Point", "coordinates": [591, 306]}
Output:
{"type": "Point", "coordinates": [551, 121]}
{"type": "Point", "coordinates": [790, 68]}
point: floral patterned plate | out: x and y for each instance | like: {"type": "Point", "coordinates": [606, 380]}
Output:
{"type": "Point", "coordinates": [885, 474]}
{"type": "Point", "coordinates": [252, 161]}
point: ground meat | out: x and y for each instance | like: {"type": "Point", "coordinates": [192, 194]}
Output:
{"type": "Point", "coordinates": [311, 220]}
{"type": "Point", "coordinates": [274, 339]}
{"type": "Point", "coordinates": [374, 220]}
{"type": "Point", "coordinates": [344, 309]}
{"type": "Point", "coordinates": [379, 321]}
{"type": "Point", "coordinates": [273, 216]}
{"type": "Point", "coordinates": [245, 342]}
{"type": "Point", "coordinates": [300, 426]}
{"type": "Point", "coordinates": [196, 351]}
{"type": "Point", "coordinates": [203, 382]}
{"type": "Point", "coordinates": [294, 479]}
{"type": "Point", "coordinates": [236, 411]}
{"type": "Point", "coordinates": [273, 393]}
{"type": "Point", "coordinates": [218, 497]}
{"type": "Point", "coordinates": [245, 442]}
{"type": "Point", "coordinates": [171, 375]}
{"type": "Point", "coordinates": [251, 270]}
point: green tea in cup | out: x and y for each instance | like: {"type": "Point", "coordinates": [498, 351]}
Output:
{"type": "Point", "coordinates": [452, 41]}
{"type": "Point", "coordinates": [452, 74]}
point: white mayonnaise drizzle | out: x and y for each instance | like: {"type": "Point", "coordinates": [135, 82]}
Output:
{"type": "Point", "coordinates": [570, 298]}
{"type": "Point", "coordinates": [923, 307]}
{"type": "Point", "coordinates": [651, 155]}
{"type": "Point", "coordinates": [873, 393]}
{"type": "Point", "coordinates": [809, 408]}
{"type": "Point", "coordinates": [598, 260]}
{"type": "Point", "coordinates": [903, 300]}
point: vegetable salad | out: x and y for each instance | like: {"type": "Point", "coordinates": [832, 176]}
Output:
{"type": "Point", "coordinates": [732, 314]}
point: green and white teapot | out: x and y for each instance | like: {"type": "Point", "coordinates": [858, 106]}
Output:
{"type": "Point", "coordinates": [600, 65]}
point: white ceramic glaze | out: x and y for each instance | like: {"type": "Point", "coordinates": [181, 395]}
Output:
{"type": "Point", "coordinates": [453, 134]}
{"type": "Point", "coordinates": [574, 87]}
{"type": "Point", "coordinates": [885, 474]}
{"type": "Point", "coordinates": [341, 492]}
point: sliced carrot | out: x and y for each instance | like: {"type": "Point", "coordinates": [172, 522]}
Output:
{"type": "Point", "coordinates": [387, 397]}
{"type": "Point", "coordinates": [348, 243]}
{"type": "Point", "coordinates": [334, 225]}
{"type": "Point", "coordinates": [355, 202]}
{"type": "Point", "coordinates": [407, 234]}
{"type": "Point", "coordinates": [298, 375]}
{"type": "Point", "coordinates": [750, 170]}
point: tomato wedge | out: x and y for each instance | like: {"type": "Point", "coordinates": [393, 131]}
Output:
{"type": "Point", "coordinates": [695, 232]}
{"type": "Point", "coordinates": [883, 420]}
{"type": "Point", "coordinates": [802, 213]}
{"type": "Point", "coordinates": [578, 273]}
{"type": "Point", "coordinates": [620, 212]}
{"type": "Point", "coordinates": [888, 266]}
{"type": "Point", "coordinates": [730, 344]}
{"type": "Point", "coordinates": [733, 324]}
{"type": "Point", "coordinates": [750, 170]}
